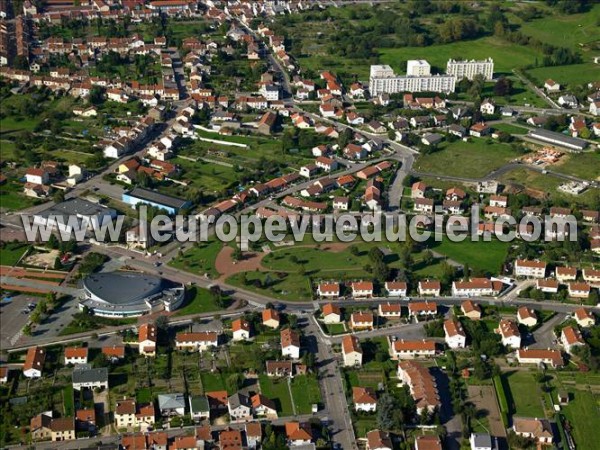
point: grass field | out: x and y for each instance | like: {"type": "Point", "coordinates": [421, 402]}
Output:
{"type": "Point", "coordinates": [508, 128]}
{"type": "Point", "coordinates": [212, 382]}
{"type": "Point", "coordinates": [199, 259]}
{"type": "Point", "coordinates": [314, 259]}
{"type": "Point", "coordinates": [547, 185]}
{"type": "Point", "coordinates": [482, 156]}
{"type": "Point", "coordinates": [565, 30]}
{"type": "Point", "coordinates": [584, 165]}
{"type": "Point", "coordinates": [485, 256]}
{"type": "Point", "coordinates": [525, 395]}
{"type": "Point", "coordinates": [568, 76]}
{"type": "Point", "coordinates": [506, 55]}
{"type": "Point", "coordinates": [198, 300]}
{"type": "Point", "coordinates": [11, 253]}
{"type": "Point", "coordinates": [582, 413]}
{"type": "Point", "coordinates": [283, 286]}
{"type": "Point", "coordinates": [335, 328]}
{"type": "Point", "coordinates": [207, 176]}
{"type": "Point", "coordinates": [277, 390]}
{"type": "Point", "coordinates": [306, 392]}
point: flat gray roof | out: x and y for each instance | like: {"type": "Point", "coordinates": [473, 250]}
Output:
{"type": "Point", "coordinates": [76, 207]}
{"type": "Point", "coordinates": [547, 135]}
{"type": "Point", "coordinates": [124, 288]}
{"type": "Point", "coordinates": [157, 197]}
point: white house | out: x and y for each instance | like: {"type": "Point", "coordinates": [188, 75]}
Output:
{"type": "Point", "coordinates": [351, 351]}
{"type": "Point", "coordinates": [570, 337]}
{"type": "Point", "coordinates": [85, 377]}
{"type": "Point", "coordinates": [454, 333]}
{"type": "Point", "coordinates": [364, 399]}
{"type": "Point", "coordinates": [396, 288]}
{"type": "Point", "coordinates": [239, 407]}
{"type": "Point", "coordinates": [390, 310]}
{"type": "Point", "coordinates": [487, 107]}
{"type": "Point", "coordinates": [481, 441]}
{"type": "Point", "coordinates": [196, 341]}
{"type": "Point", "coordinates": [290, 343]}
{"type": "Point", "coordinates": [241, 329]}
{"type": "Point", "coordinates": [328, 290]}
{"type": "Point", "coordinates": [527, 316]}
{"type": "Point", "coordinates": [362, 289]}
{"type": "Point", "coordinates": [37, 176]}
{"type": "Point", "coordinates": [34, 362]}
{"type": "Point", "coordinates": [331, 313]}
{"type": "Point", "coordinates": [526, 268]}
{"type": "Point", "coordinates": [509, 333]}
{"type": "Point", "coordinates": [76, 355]}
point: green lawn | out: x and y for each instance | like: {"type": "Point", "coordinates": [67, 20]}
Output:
{"type": "Point", "coordinates": [198, 300]}
{"type": "Point", "coordinates": [277, 390]}
{"type": "Point", "coordinates": [525, 394]}
{"type": "Point", "coordinates": [565, 30]}
{"type": "Point", "coordinates": [212, 382]}
{"type": "Point", "coordinates": [199, 259]}
{"type": "Point", "coordinates": [68, 400]}
{"type": "Point", "coordinates": [547, 185]}
{"type": "Point", "coordinates": [283, 286]}
{"type": "Point", "coordinates": [306, 392]}
{"type": "Point", "coordinates": [583, 165]}
{"type": "Point", "coordinates": [207, 176]}
{"type": "Point", "coordinates": [363, 425]}
{"type": "Point", "coordinates": [506, 55]}
{"type": "Point", "coordinates": [483, 155]}
{"type": "Point", "coordinates": [11, 253]}
{"type": "Point", "coordinates": [485, 256]}
{"type": "Point", "coordinates": [314, 259]}
{"type": "Point", "coordinates": [582, 413]}
{"type": "Point", "coordinates": [335, 328]}
{"type": "Point", "coordinates": [143, 395]}
{"type": "Point", "coordinates": [508, 128]}
{"type": "Point", "coordinates": [568, 76]}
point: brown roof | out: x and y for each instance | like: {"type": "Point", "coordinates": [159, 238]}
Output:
{"type": "Point", "coordinates": [240, 324]}
{"type": "Point", "coordinates": [572, 335]}
{"type": "Point", "coordinates": [217, 398]}
{"type": "Point", "coordinates": [146, 410]}
{"type": "Point", "coordinates": [534, 353]}
{"type": "Point", "coordinates": [428, 442]}
{"type": "Point", "coordinates": [203, 336]}
{"type": "Point", "coordinates": [254, 429]}
{"type": "Point", "coordinates": [583, 314]}
{"type": "Point", "coordinates": [259, 399]}
{"type": "Point", "coordinates": [289, 337]}
{"type": "Point", "coordinates": [525, 313]}
{"type": "Point", "coordinates": [414, 307]}
{"type": "Point", "coordinates": [433, 284]}
{"type": "Point", "coordinates": [362, 285]}
{"type": "Point", "coordinates": [76, 352]}
{"type": "Point", "coordinates": [468, 306]}
{"type": "Point", "coordinates": [566, 271]}
{"type": "Point", "coordinates": [35, 358]}
{"type": "Point", "coordinates": [415, 346]}
{"type": "Point", "coordinates": [539, 428]}
{"type": "Point", "coordinates": [62, 424]}
{"type": "Point", "coordinates": [296, 431]}
{"type": "Point", "coordinates": [584, 287]}
{"type": "Point", "coordinates": [527, 263]}
{"type": "Point", "coordinates": [547, 284]}
{"type": "Point", "coordinates": [378, 439]}
{"type": "Point", "coordinates": [363, 395]}
{"type": "Point", "coordinates": [329, 287]}
{"type": "Point", "coordinates": [396, 284]}
{"type": "Point", "coordinates": [274, 366]}
{"type": "Point", "coordinates": [423, 387]}
{"type": "Point", "coordinates": [270, 314]}
{"type": "Point", "coordinates": [86, 415]}
{"type": "Point", "coordinates": [330, 308]}
{"type": "Point", "coordinates": [454, 328]}
{"type": "Point", "coordinates": [351, 344]}
{"type": "Point", "coordinates": [362, 317]}
{"type": "Point", "coordinates": [390, 307]}
{"type": "Point", "coordinates": [230, 439]}
{"type": "Point", "coordinates": [147, 332]}
{"type": "Point", "coordinates": [508, 328]}
{"type": "Point", "coordinates": [125, 407]}
{"type": "Point", "coordinates": [116, 351]}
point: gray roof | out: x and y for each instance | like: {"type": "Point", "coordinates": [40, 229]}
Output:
{"type": "Point", "coordinates": [199, 403]}
{"type": "Point", "coordinates": [569, 141]}
{"type": "Point", "coordinates": [77, 207]}
{"type": "Point", "coordinates": [157, 197]}
{"type": "Point", "coordinates": [86, 375]}
{"type": "Point", "coordinates": [482, 440]}
{"type": "Point", "coordinates": [123, 288]}
{"type": "Point", "coordinates": [237, 400]}
{"type": "Point", "coordinates": [171, 401]}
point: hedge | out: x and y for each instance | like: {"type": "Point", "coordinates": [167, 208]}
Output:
{"type": "Point", "coordinates": [501, 396]}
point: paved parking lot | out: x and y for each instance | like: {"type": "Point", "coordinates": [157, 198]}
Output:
{"type": "Point", "coordinates": [12, 318]}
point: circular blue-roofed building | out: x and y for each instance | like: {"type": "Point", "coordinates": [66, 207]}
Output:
{"type": "Point", "coordinates": [130, 294]}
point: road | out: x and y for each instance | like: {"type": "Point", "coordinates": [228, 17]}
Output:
{"type": "Point", "coordinates": [332, 387]}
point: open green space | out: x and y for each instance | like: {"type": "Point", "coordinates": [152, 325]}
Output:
{"type": "Point", "coordinates": [479, 255]}
{"type": "Point", "coordinates": [199, 259]}
{"type": "Point", "coordinates": [581, 165]}
{"type": "Point", "coordinates": [565, 30]}
{"type": "Point", "coordinates": [212, 382]}
{"type": "Point", "coordinates": [306, 392]}
{"type": "Point", "coordinates": [568, 76]}
{"type": "Point", "coordinates": [582, 413]}
{"type": "Point", "coordinates": [143, 395]}
{"type": "Point", "coordinates": [199, 300]}
{"type": "Point", "coordinates": [12, 252]}
{"type": "Point", "coordinates": [208, 176]}
{"type": "Point", "coordinates": [276, 389]}
{"type": "Point", "coordinates": [279, 285]}
{"type": "Point", "coordinates": [334, 328]}
{"type": "Point", "coordinates": [473, 159]}
{"type": "Point", "coordinates": [511, 129]}
{"type": "Point", "coordinates": [506, 55]}
{"type": "Point", "coordinates": [525, 394]}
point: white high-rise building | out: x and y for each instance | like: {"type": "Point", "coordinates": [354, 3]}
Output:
{"type": "Point", "coordinates": [417, 68]}
{"type": "Point", "coordinates": [383, 80]}
{"type": "Point", "coordinates": [468, 69]}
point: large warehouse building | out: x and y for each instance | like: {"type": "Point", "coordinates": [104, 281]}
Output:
{"type": "Point", "coordinates": [130, 294]}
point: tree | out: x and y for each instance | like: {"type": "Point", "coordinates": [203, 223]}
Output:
{"type": "Point", "coordinates": [235, 382]}
{"type": "Point", "coordinates": [58, 196]}
{"type": "Point", "coordinates": [503, 86]}
{"type": "Point", "coordinates": [161, 323]}
{"type": "Point", "coordinates": [354, 250]}
{"type": "Point", "coordinates": [386, 419]}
